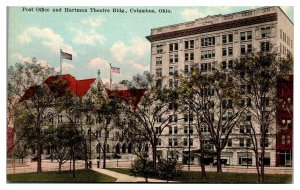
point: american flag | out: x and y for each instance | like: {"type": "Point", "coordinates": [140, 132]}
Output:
{"type": "Point", "coordinates": [66, 55]}
{"type": "Point", "coordinates": [115, 70]}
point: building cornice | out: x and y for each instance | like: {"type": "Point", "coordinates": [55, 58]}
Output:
{"type": "Point", "coordinates": [214, 27]}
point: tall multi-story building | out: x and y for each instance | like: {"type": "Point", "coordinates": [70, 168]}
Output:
{"type": "Point", "coordinates": [214, 42]}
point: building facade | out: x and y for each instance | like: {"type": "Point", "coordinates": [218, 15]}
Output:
{"type": "Point", "coordinates": [215, 42]}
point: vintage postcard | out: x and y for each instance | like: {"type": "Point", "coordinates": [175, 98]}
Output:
{"type": "Point", "coordinates": [150, 94]}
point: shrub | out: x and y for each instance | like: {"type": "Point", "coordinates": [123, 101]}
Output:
{"type": "Point", "coordinates": [168, 168]}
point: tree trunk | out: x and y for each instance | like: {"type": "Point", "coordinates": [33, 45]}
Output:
{"type": "Point", "coordinates": [257, 167]}
{"type": "Point", "coordinates": [154, 156]}
{"type": "Point", "coordinates": [104, 155]}
{"type": "Point", "coordinates": [73, 156]}
{"type": "Point", "coordinates": [39, 149]}
{"type": "Point", "coordinates": [59, 167]}
{"type": "Point", "coordinates": [219, 166]}
{"type": "Point", "coordinates": [262, 167]}
{"type": "Point", "coordinates": [202, 165]}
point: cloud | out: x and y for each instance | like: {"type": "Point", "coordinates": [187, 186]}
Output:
{"type": "Point", "coordinates": [16, 57]}
{"type": "Point", "coordinates": [89, 38]}
{"type": "Point", "coordinates": [47, 37]}
{"type": "Point", "coordinates": [133, 51]}
{"type": "Point", "coordinates": [93, 22]}
{"type": "Point", "coordinates": [87, 32]}
{"type": "Point", "coordinates": [98, 63]}
{"type": "Point", "coordinates": [66, 67]}
{"type": "Point", "coordinates": [119, 50]}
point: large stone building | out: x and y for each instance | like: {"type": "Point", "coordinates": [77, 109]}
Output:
{"type": "Point", "coordinates": [214, 42]}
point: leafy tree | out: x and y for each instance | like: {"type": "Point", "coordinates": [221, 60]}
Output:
{"type": "Point", "coordinates": [36, 95]}
{"type": "Point", "coordinates": [260, 71]}
{"type": "Point", "coordinates": [20, 152]}
{"type": "Point", "coordinates": [148, 105]}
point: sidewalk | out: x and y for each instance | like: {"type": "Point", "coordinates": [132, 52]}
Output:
{"type": "Point", "coordinates": [126, 178]}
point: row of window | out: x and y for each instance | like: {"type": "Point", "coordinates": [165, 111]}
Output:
{"type": "Point", "coordinates": [243, 142]}
{"type": "Point", "coordinates": [175, 130]}
{"type": "Point", "coordinates": [226, 39]}
{"type": "Point", "coordinates": [210, 54]}
{"type": "Point", "coordinates": [286, 38]}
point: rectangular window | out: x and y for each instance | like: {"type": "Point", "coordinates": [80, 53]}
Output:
{"type": "Point", "coordinates": [229, 142]}
{"type": "Point", "coordinates": [230, 51]}
{"type": "Point", "coordinates": [248, 142]}
{"type": "Point", "coordinates": [265, 46]}
{"type": "Point", "coordinates": [158, 142]}
{"type": "Point", "coordinates": [185, 142]}
{"type": "Point", "coordinates": [208, 54]}
{"type": "Point", "coordinates": [224, 51]}
{"type": "Point", "coordinates": [175, 141]}
{"type": "Point", "coordinates": [243, 49]}
{"type": "Point", "coordinates": [173, 47]}
{"type": "Point", "coordinates": [245, 36]}
{"type": "Point", "coordinates": [249, 48]}
{"type": "Point", "coordinates": [170, 142]}
{"type": "Point", "coordinates": [189, 44]}
{"type": "Point", "coordinates": [206, 67]}
{"type": "Point", "coordinates": [228, 38]}
{"type": "Point", "coordinates": [159, 48]}
{"type": "Point", "coordinates": [185, 130]}
{"type": "Point", "coordinates": [173, 58]}
{"type": "Point", "coordinates": [265, 32]}
{"type": "Point", "coordinates": [159, 72]}
{"type": "Point", "coordinates": [175, 130]}
{"type": "Point", "coordinates": [170, 130]}
{"type": "Point", "coordinates": [158, 60]}
{"type": "Point", "coordinates": [242, 129]}
{"type": "Point", "coordinates": [210, 41]}
{"type": "Point", "coordinates": [189, 56]}
{"type": "Point", "coordinates": [242, 143]}
{"type": "Point", "coordinates": [191, 141]}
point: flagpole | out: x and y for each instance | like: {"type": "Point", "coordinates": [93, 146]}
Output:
{"type": "Point", "coordinates": [60, 62]}
{"type": "Point", "coordinates": [110, 75]}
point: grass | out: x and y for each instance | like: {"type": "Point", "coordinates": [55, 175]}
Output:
{"type": "Point", "coordinates": [82, 176]}
{"type": "Point", "coordinates": [213, 177]}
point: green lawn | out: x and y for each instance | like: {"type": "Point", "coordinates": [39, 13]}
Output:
{"type": "Point", "coordinates": [213, 177]}
{"type": "Point", "coordinates": [82, 176]}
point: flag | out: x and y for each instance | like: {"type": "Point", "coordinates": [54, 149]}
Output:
{"type": "Point", "coordinates": [115, 69]}
{"type": "Point", "coordinates": [66, 55]}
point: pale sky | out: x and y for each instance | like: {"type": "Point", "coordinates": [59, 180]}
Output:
{"type": "Point", "coordinates": [96, 38]}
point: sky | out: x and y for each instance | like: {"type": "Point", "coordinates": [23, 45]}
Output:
{"type": "Point", "coordinates": [95, 39]}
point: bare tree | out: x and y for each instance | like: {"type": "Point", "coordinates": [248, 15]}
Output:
{"type": "Point", "coordinates": [213, 97]}
{"type": "Point", "coordinates": [147, 103]}
{"type": "Point", "coordinates": [259, 72]}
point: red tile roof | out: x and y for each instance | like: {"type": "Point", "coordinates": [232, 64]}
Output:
{"type": "Point", "coordinates": [77, 87]}
{"type": "Point", "coordinates": [133, 96]}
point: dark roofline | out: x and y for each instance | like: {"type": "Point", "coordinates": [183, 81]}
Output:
{"type": "Point", "coordinates": [214, 27]}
